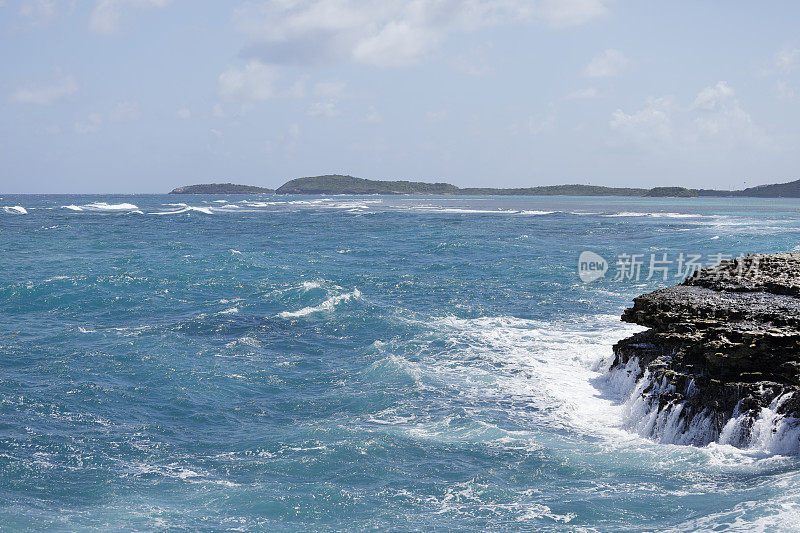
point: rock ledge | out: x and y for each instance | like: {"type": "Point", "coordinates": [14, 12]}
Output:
{"type": "Point", "coordinates": [721, 360]}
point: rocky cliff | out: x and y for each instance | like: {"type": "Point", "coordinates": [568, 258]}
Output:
{"type": "Point", "coordinates": [720, 361]}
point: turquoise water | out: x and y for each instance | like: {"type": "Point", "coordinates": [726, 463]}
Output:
{"type": "Point", "coordinates": [364, 363]}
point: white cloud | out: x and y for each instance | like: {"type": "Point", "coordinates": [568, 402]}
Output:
{"type": "Point", "coordinates": [297, 89]}
{"type": "Point", "coordinates": [373, 116]}
{"type": "Point", "coordinates": [651, 123]}
{"type": "Point", "coordinates": [121, 112]}
{"type": "Point", "coordinates": [715, 120]}
{"type": "Point", "coordinates": [787, 59]}
{"type": "Point", "coordinates": [389, 32]}
{"type": "Point", "coordinates": [608, 63]}
{"type": "Point", "coordinates": [288, 141]}
{"type": "Point", "coordinates": [46, 94]}
{"type": "Point", "coordinates": [83, 128]}
{"type": "Point", "coordinates": [255, 82]}
{"type": "Point", "coordinates": [397, 44]}
{"type": "Point", "coordinates": [721, 118]}
{"type": "Point", "coordinates": [784, 90]}
{"type": "Point", "coordinates": [258, 82]}
{"type": "Point", "coordinates": [436, 116]}
{"type": "Point", "coordinates": [91, 125]}
{"type": "Point", "coordinates": [564, 13]}
{"type": "Point", "coordinates": [543, 123]}
{"type": "Point", "coordinates": [471, 67]}
{"type": "Point", "coordinates": [582, 94]}
{"type": "Point", "coordinates": [715, 97]}
{"type": "Point", "coordinates": [218, 112]}
{"type": "Point", "coordinates": [106, 15]}
{"type": "Point", "coordinates": [37, 14]}
{"type": "Point", "coordinates": [329, 89]}
{"type": "Point", "coordinates": [324, 109]}
{"type": "Point", "coordinates": [184, 114]}
{"type": "Point", "coordinates": [38, 11]}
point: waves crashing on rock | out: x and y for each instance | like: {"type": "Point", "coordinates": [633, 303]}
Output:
{"type": "Point", "coordinates": [721, 360]}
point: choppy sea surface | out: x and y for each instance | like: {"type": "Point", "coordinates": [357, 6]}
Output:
{"type": "Point", "coordinates": [302, 363]}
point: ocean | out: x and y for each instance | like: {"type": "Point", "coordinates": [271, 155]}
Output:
{"type": "Point", "coordinates": [310, 363]}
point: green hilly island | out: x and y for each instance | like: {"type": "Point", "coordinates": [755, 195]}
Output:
{"type": "Point", "coordinates": [221, 188]}
{"type": "Point", "coordinates": [341, 184]}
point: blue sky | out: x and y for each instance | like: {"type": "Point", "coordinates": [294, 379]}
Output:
{"type": "Point", "coordinates": [146, 95]}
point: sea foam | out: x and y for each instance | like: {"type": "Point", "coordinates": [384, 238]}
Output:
{"type": "Point", "coordinates": [102, 207]}
{"type": "Point", "coordinates": [328, 305]}
{"type": "Point", "coordinates": [644, 414]}
{"type": "Point", "coordinates": [184, 208]}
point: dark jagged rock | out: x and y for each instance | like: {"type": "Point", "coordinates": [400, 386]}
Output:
{"type": "Point", "coordinates": [722, 352]}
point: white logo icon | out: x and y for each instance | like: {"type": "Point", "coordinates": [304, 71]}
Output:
{"type": "Point", "coordinates": [591, 266]}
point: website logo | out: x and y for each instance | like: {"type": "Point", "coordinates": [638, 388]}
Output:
{"type": "Point", "coordinates": [591, 266]}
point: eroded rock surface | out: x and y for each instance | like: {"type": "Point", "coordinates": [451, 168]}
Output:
{"type": "Point", "coordinates": [722, 353]}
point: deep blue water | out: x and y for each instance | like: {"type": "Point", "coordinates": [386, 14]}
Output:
{"type": "Point", "coordinates": [362, 363]}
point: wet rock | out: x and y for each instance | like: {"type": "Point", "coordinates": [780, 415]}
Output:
{"type": "Point", "coordinates": [723, 345]}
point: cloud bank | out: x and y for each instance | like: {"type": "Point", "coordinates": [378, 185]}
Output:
{"type": "Point", "coordinates": [390, 33]}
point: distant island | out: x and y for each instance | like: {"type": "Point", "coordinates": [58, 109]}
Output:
{"type": "Point", "coordinates": [337, 184]}
{"type": "Point", "coordinates": [340, 184]}
{"type": "Point", "coordinates": [220, 188]}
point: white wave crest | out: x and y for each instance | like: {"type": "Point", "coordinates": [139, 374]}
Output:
{"type": "Point", "coordinates": [185, 209]}
{"type": "Point", "coordinates": [426, 208]}
{"type": "Point", "coordinates": [104, 206]}
{"type": "Point", "coordinates": [15, 210]}
{"type": "Point", "coordinates": [308, 285]}
{"type": "Point", "coordinates": [328, 305]}
{"type": "Point", "coordinates": [540, 371]}
{"type": "Point", "coordinates": [658, 214]}
{"type": "Point", "coordinates": [174, 471]}
{"type": "Point", "coordinates": [249, 203]}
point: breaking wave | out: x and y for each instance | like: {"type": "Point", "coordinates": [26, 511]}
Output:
{"type": "Point", "coordinates": [645, 414]}
{"type": "Point", "coordinates": [326, 306]}
{"type": "Point", "coordinates": [102, 207]}
{"type": "Point", "coordinates": [658, 214]}
{"type": "Point", "coordinates": [184, 208]}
